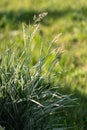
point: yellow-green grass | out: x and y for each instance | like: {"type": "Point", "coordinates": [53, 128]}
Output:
{"type": "Point", "coordinates": [66, 17]}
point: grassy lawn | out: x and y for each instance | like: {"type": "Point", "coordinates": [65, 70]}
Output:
{"type": "Point", "coordinates": [68, 18]}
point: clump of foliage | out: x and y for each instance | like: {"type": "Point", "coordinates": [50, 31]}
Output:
{"type": "Point", "coordinates": [29, 96]}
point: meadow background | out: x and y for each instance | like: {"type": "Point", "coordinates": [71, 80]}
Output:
{"type": "Point", "coordinates": [69, 20]}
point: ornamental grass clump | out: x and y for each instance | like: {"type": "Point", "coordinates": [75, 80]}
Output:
{"type": "Point", "coordinates": [29, 97]}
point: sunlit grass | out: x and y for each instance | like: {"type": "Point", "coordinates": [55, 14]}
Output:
{"type": "Point", "coordinates": [29, 91]}
{"type": "Point", "coordinates": [66, 17]}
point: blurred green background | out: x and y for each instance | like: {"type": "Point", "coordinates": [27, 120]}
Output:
{"type": "Point", "coordinates": [67, 17]}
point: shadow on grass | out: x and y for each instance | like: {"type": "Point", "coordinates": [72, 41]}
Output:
{"type": "Point", "coordinates": [13, 17]}
{"type": "Point", "coordinates": [75, 116]}
{"type": "Point", "coordinates": [79, 113]}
